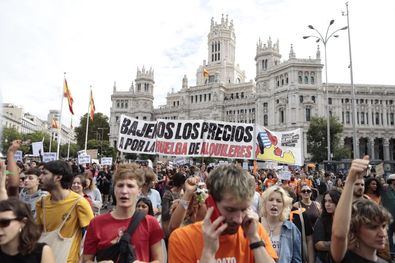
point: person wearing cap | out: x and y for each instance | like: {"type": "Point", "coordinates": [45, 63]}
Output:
{"type": "Point", "coordinates": [388, 201]}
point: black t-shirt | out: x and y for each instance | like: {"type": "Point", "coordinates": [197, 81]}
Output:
{"type": "Point", "coordinates": [351, 257]}
{"type": "Point", "coordinates": [321, 235]}
{"type": "Point", "coordinates": [33, 257]}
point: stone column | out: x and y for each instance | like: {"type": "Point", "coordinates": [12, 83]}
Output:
{"type": "Point", "coordinates": [357, 150]}
{"type": "Point", "coordinates": [371, 148]}
{"type": "Point", "coordinates": [386, 148]}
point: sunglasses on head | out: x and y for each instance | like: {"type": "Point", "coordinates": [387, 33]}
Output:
{"type": "Point", "coordinates": [5, 222]}
{"type": "Point", "coordinates": [306, 191]}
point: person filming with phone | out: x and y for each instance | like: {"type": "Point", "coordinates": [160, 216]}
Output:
{"type": "Point", "coordinates": [230, 231]}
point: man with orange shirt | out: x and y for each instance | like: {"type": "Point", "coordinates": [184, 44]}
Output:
{"type": "Point", "coordinates": [234, 236]}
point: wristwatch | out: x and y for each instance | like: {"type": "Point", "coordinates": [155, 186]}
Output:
{"type": "Point", "coordinates": [257, 244]}
{"type": "Point", "coordinates": [184, 204]}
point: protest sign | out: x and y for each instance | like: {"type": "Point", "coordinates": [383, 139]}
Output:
{"type": "Point", "coordinates": [282, 147]}
{"type": "Point", "coordinates": [106, 161]}
{"type": "Point", "coordinates": [49, 156]}
{"type": "Point", "coordinates": [82, 152]}
{"type": "Point", "coordinates": [38, 148]}
{"type": "Point", "coordinates": [380, 169]}
{"type": "Point", "coordinates": [84, 159]}
{"type": "Point", "coordinates": [18, 156]}
{"type": "Point", "coordinates": [201, 138]}
{"type": "Point", "coordinates": [284, 175]}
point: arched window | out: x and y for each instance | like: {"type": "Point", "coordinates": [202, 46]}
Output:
{"type": "Point", "coordinates": [265, 63]}
{"type": "Point", "coordinates": [306, 80]}
{"type": "Point", "coordinates": [300, 78]}
{"type": "Point", "coordinates": [312, 80]}
{"type": "Point", "coordinates": [219, 46]}
{"type": "Point", "coordinates": [308, 114]}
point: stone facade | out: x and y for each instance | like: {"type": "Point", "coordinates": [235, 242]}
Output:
{"type": "Point", "coordinates": [285, 95]}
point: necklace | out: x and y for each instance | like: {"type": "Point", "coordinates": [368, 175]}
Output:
{"type": "Point", "coordinates": [272, 228]}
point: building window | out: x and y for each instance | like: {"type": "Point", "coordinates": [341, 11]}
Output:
{"type": "Point", "coordinates": [347, 117]}
{"type": "Point", "coordinates": [330, 101]}
{"type": "Point", "coordinates": [308, 111]}
{"type": "Point", "coordinates": [286, 80]}
{"type": "Point", "coordinates": [209, 97]}
{"type": "Point", "coordinates": [265, 120]}
{"type": "Point", "coordinates": [265, 104]}
{"type": "Point", "coordinates": [306, 80]}
{"type": "Point", "coordinates": [191, 99]}
{"type": "Point", "coordinates": [312, 80]}
{"type": "Point", "coordinates": [301, 99]}
{"type": "Point", "coordinates": [282, 116]}
{"type": "Point", "coordinates": [117, 103]}
{"type": "Point", "coordinates": [300, 79]}
{"type": "Point", "coordinates": [391, 118]}
{"type": "Point", "coordinates": [362, 118]}
{"type": "Point", "coordinates": [139, 87]}
{"type": "Point", "coordinates": [313, 99]}
{"type": "Point", "coordinates": [377, 118]}
{"type": "Point", "coordinates": [200, 96]}
{"type": "Point", "coordinates": [242, 95]}
{"type": "Point", "coordinates": [205, 97]}
{"type": "Point", "coordinates": [144, 118]}
{"type": "Point", "coordinates": [367, 118]}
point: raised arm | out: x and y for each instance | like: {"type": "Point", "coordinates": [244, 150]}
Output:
{"type": "Point", "coordinates": [342, 217]}
{"type": "Point", "coordinates": [13, 177]}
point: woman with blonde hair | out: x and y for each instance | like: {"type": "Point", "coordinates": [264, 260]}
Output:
{"type": "Point", "coordinates": [94, 194]}
{"type": "Point", "coordinates": [284, 235]}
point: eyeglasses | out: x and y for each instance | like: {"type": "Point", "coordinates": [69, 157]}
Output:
{"type": "Point", "coordinates": [6, 222]}
{"type": "Point", "coordinates": [306, 191]}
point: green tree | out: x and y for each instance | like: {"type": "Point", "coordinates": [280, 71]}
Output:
{"type": "Point", "coordinates": [317, 140]}
{"type": "Point", "coordinates": [99, 129]}
{"type": "Point", "coordinates": [9, 134]}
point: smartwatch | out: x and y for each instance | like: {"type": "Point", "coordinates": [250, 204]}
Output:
{"type": "Point", "coordinates": [257, 244]}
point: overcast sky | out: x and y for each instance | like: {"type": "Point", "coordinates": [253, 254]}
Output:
{"type": "Point", "coordinates": [99, 42]}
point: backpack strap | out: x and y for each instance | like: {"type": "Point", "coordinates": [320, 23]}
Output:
{"type": "Point", "coordinates": [138, 216]}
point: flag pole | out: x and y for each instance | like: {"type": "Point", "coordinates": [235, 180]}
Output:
{"type": "Point", "coordinates": [60, 120]}
{"type": "Point", "coordinates": [87, 119]}
{"type": "Point", "coordinates": [50, 141]}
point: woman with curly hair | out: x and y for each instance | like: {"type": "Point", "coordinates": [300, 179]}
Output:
{"type": "Point", "coordinates": [19, 235]}
{"type": "Point", "coordinates": [373, 189]}
{"type": "Point", "coordinates": [284, 235]}
{"type": "Point", "coordinates": [359, 228]}
{"type": "Point", "coordinates": [323, 227]}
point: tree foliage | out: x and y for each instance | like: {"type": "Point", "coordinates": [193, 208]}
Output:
{"type": "Point", "coordinates": [99, 129]}
{"type": "Point", "coordinates": [317, 140]}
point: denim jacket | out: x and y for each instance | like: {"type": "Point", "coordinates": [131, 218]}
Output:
{"type": "Point", "coordinates": [290, 245]}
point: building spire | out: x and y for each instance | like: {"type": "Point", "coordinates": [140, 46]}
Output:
{"type": "Point", "coordinates": [292, 52]}
{"type": "Point", "coordinates": [318, 55]}
{"type": "Point", "coordinates": [114, 88]}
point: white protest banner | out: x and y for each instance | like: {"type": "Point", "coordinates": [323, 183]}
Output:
{"type": "Point", "coordinates": [82, 152]}
{"type": "Point", "coordinates": [83, 159]}
{"type": "Point", "coordinates": [138, 136]}
{"type": "Point", "coordinates": [245, 165]}
{"type": "Point", "coordinates": [380, 169]}
{"type": "Point", "coordinates": [38, 148]}
{"type": "Point", "coordinates": [49, 156]}
{"type": "Point", "coordinates": [282, 147]}
{"type": "Point", "coordinates": [201, 138]}
{"type": "Point", "coordinates": [18, 156]}
{"type": "Point", "coordinates": [178, 161]}
{"type": "Point", "coordinates": [284, 175]}
{"type": "Point", "coordinates": [106, 161]}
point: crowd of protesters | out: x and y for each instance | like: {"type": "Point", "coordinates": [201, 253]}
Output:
{"type": "Point", "coordinates": [63, 212]}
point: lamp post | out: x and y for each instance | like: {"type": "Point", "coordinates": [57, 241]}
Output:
{"type": "Point", "coordinates": [325, 40]}
{"type": "Point", "coordinates": [101, 141]}
{"type": "Point", "coordinates": [354, 104]}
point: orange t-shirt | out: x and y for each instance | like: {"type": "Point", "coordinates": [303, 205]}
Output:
{"type": "Point", "coordinates": [186, 245]}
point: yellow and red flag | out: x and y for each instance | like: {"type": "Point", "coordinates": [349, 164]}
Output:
{"type": "Point", "coordinates": [67, 94]}
{"type": "Point", "coordinates": [91, 106]}
{"type": "Point", "coordinates": [205, 73]}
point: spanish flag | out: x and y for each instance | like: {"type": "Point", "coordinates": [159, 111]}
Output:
{"type": "Point", "coordinates": [55, 124]}
{"type": "Point", "coordinates": [67, 94]}
{"type": "Point", "coordinates": [205, 73]}
{"type": "Point", "coordinates": [91, 106]}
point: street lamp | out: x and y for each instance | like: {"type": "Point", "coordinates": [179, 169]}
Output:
{"type": "Point", "coordinates": [354, 104]}
{"type": "Point", "coordinates": [101, 140]}
{"type": "Point", "coordinates": [325, 40]}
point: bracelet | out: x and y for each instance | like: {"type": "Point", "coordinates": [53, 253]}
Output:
{"type": "Point", "coordinates": [257, 244]}
{"type": "Point", "coordinates": [184, 203]}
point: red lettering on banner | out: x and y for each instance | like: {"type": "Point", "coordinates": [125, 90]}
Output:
{"type": "Point", "coordinates": [172, 148]}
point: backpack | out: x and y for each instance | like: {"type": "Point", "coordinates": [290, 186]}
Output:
{"type": "Point", "coordinates": [123, 251]}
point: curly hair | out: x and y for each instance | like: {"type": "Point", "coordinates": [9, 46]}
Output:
{"type": "Point", "coordinates": [379, 186]}
{"type": "Point", "coordinates": [366, 212]}
{"type": "Point", "coordinates": [31, 232]}
{"type": "Point", "coordinates": [287, 201]}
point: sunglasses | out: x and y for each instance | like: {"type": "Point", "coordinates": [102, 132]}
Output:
{"type": "Point", "coordinates": [6, 222]}
{"type": "Point", "coordinates": [306, 191]}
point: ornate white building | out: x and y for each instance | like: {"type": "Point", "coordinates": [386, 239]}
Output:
{"type": "Point", "coordinates": [284, 96]}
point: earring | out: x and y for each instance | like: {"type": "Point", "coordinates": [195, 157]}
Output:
{"type": "Point", "coordinates": [20, 230]}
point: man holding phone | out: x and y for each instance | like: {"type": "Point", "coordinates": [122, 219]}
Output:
{"type": "Point", "coordinates": [230, 232]}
